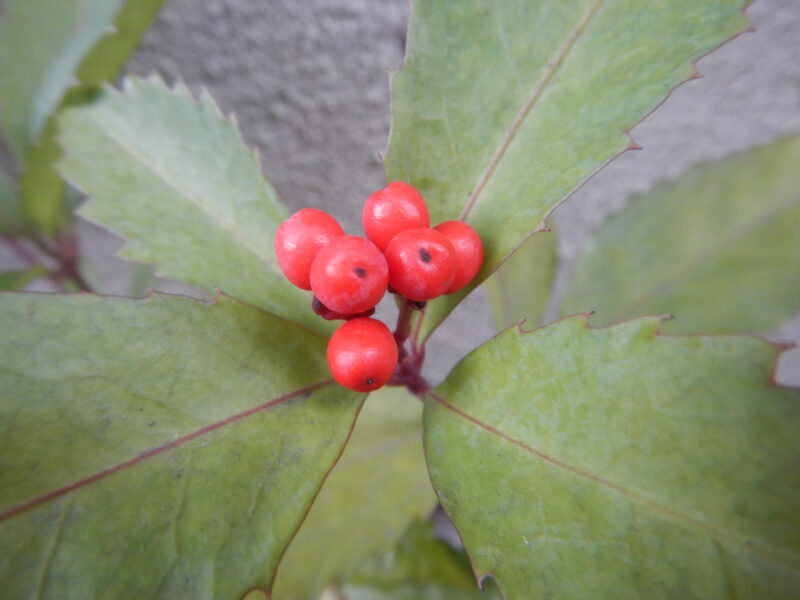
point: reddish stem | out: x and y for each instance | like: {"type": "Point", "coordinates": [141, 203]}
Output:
{"type": "Point", "coordinates": [66, 252]}
{"type": "Point", "coordinates": [63, 250]}
{"type": "Point", "coordinates": [403, 328]}
{"type": "Point", "coordinates": [409, 363]}
{"type": "Point", "coordinates": [19, 248]}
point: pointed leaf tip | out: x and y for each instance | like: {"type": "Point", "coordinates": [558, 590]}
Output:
{"type": "Point", "coordinates": [151, 154]}
{"type": "Point", "coordinates": [516, 131]}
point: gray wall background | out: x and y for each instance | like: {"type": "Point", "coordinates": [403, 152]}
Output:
{"type": "Point", "coordinates": [308, 82]}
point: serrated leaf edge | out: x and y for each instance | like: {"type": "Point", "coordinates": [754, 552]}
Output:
{"type": "Point", "coordinates": [778, 349]}
{"type": "Point", "coordinates": [632, 144]}
{"type": "Point", "coordinates": [181, 90]}
{"type": "Point", "coordinates": [662, 185]}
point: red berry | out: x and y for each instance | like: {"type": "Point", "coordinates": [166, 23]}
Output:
{"type": "Point", "coordinates": [469, 251]}
{"type": "Point", "coordinates": [349, 275]}
{"type": "Point", "coordinates": [298, 240]}
{"type": "Point", "coordinates": [397, 207]}
{"type": "Point", "coordinates": [422, 264]}
{"type": "Point", "coordinates": [362, 354]}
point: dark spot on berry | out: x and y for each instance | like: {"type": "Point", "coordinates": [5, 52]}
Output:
{"type": "Point", "coordinates": [361, 272]}
{"type": "Point", "coordinates": [424, 255]}
{"type": "Point", "coordinates": [420, 304]}
{"type": "Point", "coordinates": [370, 381]}
{"type": "Point", "coordinates": [316, 305]}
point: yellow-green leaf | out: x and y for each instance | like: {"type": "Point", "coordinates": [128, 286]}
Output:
{"type": "Point", "coordinates": [18, 279]}
{"type": "Point", "coordinates": [157, 448]}
{"type": "Point", "coordinates": [420, 566]}
{"type": "Point", "coordinates": [621, 463]}
{"type": "Point", "coordinates": [520, 288]}
{"type": "Point", "coordinates": [378, 487]}
{"type": "Point", "coordinates": [504, 108]}
{"type": "Point", "coordinates": [719, 248]}
{"type": "Point", "coordinates": [53, 53]}
{"type": "Point", "coordinates": [173, 176]}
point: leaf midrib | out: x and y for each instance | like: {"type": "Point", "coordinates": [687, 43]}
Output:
{"type": "Point", "coordinates": [779, 555]}
{"type": "Point", "coordinates": [119, 139]}
{"type": "Point", "coordinates": [143, 456]}
{"type": "Point", "coordinates": [552, 68]}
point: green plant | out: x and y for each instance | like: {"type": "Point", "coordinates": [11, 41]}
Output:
{"type": "Point", "coordinates": [168, 447]}
{"type": "Point", "coordinates": [54, 55]}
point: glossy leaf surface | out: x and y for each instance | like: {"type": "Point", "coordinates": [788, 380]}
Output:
{"type": "Point", "coordinates": [158, 448]}
{"type": "Point", "coordinates": [719, 248]}
{"type": "Point", "coordinates": [173, 176]}
{"type": "Point", "coordinates": [498, 119]}
{"type": "Point", "coordinates": [378, 487]}
{"type": "Point", "coordinates": [621, 463]}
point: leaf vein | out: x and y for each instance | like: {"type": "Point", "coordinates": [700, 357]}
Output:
{"type": "Point", "coordinates": [552, 68]}
{"type": "Point", "coordinates": [94, 478]}
{"type": "Point", "coordinates": [225, 224]}
{"type": "Point", "coordinates": [778, 555]}
{"type": "Point", "coordinates": [51, 550]}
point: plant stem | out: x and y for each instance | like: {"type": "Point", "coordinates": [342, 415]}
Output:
{"type": "Point", "coordinates": [403, 328]}
{"type": "Point", "coordinates": [409, 364]}
{"type": "Point", "coordinates": [18, 247]}
{"type": "Point", "coordinates": [66, 253]}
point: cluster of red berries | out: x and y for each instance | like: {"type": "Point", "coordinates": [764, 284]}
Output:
{"type": "Point", "coordinates": [350, 274]}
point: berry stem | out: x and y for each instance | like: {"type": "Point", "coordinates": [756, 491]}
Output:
{"type": "Point", "coordinates": [403, 328]}
{"type": "Point", "coordinates": [409, 364]}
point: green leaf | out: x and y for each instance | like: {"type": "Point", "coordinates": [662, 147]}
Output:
{"type": "Point", "coordinates": [174, 177]}
{"type": "Point", "coordinates": [52, 54]}
{"type": "Point", "coordinates": [719, 248]}
{"type": "Point", "coordinates": [41, 188]}
{"type": "Point", "coordinates": [378, 487]}
{"type": "Point", "coordinates": [621, 463]}
{"type": "Point", "coordinates": [520, 288]}
{"type": "Point", "coordinates": [11, 221]}
{"type": "Point", "coordinates": [17, 280]}
{"type": "Point", "coordinates": [46, 48]}
{"type": "Point", "coordinates": [158, 448]}
{"type": "Point", "coordinates": [421, 566]}
{"type": "Point", "coordinates": [504, 108]}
